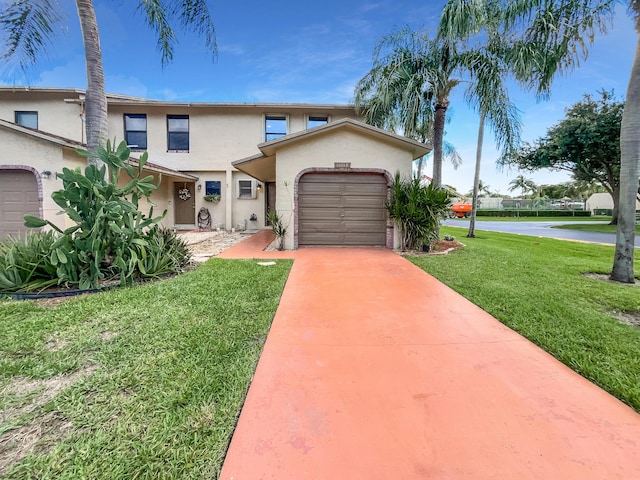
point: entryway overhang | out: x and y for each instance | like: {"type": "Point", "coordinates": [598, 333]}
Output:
{"type": "Point", "coordinates": [261, 167]}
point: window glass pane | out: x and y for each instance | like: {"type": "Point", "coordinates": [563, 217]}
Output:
{"type": "Point", "coordinates": [135, 122]}
{"type": "Point", "coordinates": [275, 127]}
{"type": "Point", "coordinates": [317, 121]}
{"type": "Point", "coordinates": [178, 132]}
{"type": "Point", "coordinates": [212, 188]}
{"type": "Point", "coordinates": [244, 187]}
{"type": "Point", "coordinates": [178, 124]}
{"type": "Point", "coordinates": [136, 140]}
{"type": "Point", "coordinates": [27, 119]}
{"type": "Point", "coordinates": [178, 141]}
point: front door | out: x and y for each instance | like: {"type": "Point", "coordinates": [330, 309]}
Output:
{"type": "Point", "coordinates": [184, 200]}
{"type": "Point", "coordinates": [270, 204]}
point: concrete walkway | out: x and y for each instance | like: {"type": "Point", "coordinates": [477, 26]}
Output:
{"type": "Point", "coordinates": [375, 370]}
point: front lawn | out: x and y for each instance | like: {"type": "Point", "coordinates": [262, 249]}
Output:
{"type": "Point", "coordinates": [536, 286]}
{"type": "Point", "coordinates": [592, 227]}
{"type": "Point", "coordinates": [143, 382]}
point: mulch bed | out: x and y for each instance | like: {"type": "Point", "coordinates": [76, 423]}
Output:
{"type": "Point", "coordinates": [441, 247]}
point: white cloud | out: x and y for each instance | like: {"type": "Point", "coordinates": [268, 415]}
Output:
{"type": "Point", "coordinates": [70, 74]}
{"type": "Point", "coordinates": [125, 85]}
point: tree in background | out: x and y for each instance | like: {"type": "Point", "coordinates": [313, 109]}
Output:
{"type": "Point", "coordinates": [525, 185]}
{"type": "Point", "coordinates": [586, 143]}
{"type": "Point", "coordinates": [28, 27]}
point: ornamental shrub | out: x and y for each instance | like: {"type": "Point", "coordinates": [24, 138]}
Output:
{"type": "Point", "coordinates": [109, 236]}
{"type": "Point", "coordinates": [417, 210]}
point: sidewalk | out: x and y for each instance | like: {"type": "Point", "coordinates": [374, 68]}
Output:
{"type": "Point", "coordinates": [375, 370]}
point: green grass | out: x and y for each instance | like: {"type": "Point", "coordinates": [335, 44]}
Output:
{"type": "Point", "coordinates": [538, 219]}
{"type": "Point", "coordinates": [536, 286]}
{"type": "Point", "coordinates": [172, 360]}
{"type": "Point", "coordinates": [587, 227]}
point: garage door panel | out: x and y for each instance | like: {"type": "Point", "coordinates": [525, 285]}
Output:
{"type": "Point", "coordinates": [343, 214]}
{"type": "Point", "coordinates": [368, 239]}
{"type": "Point", "coordinates": [343, 178]}
{"type": "Point", "coordinates": [323, 189]}
{"type": "Point", "coordinates": [347, 226]}
{"type": "Point", "coordinates": [342, 209]}
{"type": "Point", "coordinates": [318, 201]}
{"type": "Point", "coordinates": [369, 190]}
{"type": "Point", "coordinates": [18, 197]}
{"type": "Point", "coordinates": [364, 202]}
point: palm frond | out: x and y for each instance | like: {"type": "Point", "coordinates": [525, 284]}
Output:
{"type": "Point", "coordinates": [27, 28]}
{"type": "Point", "coordinates": [195, 15]}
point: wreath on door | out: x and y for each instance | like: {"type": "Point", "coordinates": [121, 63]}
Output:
{"type": "Point", "coordinates": [184, 194]}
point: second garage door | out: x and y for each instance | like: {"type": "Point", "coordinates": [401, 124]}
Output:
{"type": "Point", "coordinates": [18, 196]}
{"type": "Point", "coordinates": [342, 209]}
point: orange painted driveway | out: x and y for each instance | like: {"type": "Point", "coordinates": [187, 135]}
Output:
{"type": "Point", "coordinates": [375, 370]}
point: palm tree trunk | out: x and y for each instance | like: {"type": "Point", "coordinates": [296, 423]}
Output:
{"type": "Point", "coordinates": [616, 205]}
{"type": "Point", "coordinates": [96, 101]}
{"type": "Point", "coordinates": [629, 158]}
{"type": "Point", "coordinates": [438, 135]}
{"type": "Point", "coordinates": [420, 164]}
{"type": "Point", "coordinates": [476, 178]}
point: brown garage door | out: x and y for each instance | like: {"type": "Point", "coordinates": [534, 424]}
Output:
{"type": "Point", "coordinates": [18, 196]}
{"type": "Point", "coordinates": [342, 209]}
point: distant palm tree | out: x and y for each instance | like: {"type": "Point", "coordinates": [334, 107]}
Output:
{"type": "Point", "coordinates": [526, 185]}
{"type": "Point", "coordinates": [29, 32]}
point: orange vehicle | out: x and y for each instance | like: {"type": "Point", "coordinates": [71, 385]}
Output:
{"type": "Point", "coordinates": [461, 210]}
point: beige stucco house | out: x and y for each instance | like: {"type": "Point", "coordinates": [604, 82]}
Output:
{"type": "Point", "coordinates": [326, 173]}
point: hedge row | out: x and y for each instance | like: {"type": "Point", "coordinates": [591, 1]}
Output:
{"type": "Point", "coordinates": [533, 213]}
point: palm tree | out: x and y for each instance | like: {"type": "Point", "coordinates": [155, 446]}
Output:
{"type": "Point", "coordinates": [622, 270]}
{"type": "Point", "coordinates": [524, 184]}
{"type": "Point", "coordinates": [488, 64]}
{"type": "Point", "coordinates": [408, 88]}
{"type": "Point", "coordinates": [29, 26]}
{"type": "Point", "coordinates": [557, 35]}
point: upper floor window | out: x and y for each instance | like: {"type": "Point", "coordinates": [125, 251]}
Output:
{"type": "Point", "coordinates": [135, 130]}
{"type": "Point", "coordinates": [317, 120]}
{"type": "Point", "coordinates": [275, 126]}
{"type": "Point", "coordinates": [27, 119]}
{"type": "Point", "coordinates": [178, 133]}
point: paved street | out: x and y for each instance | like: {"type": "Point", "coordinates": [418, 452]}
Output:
{"type": "Point", "coordinates": [540, 229]}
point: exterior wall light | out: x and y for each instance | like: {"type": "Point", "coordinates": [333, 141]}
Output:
{"type": "Point", "coordinates": [45, 174]}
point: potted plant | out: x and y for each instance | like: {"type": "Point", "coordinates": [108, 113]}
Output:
{"type": "Point", "coordinates": [215, 198]}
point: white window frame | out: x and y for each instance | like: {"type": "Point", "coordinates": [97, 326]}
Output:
{"type": "Point", "coordinates": [254, 189]}
{"type": "Point", "coordinates": [311, 115]}
{"type": "Point", "coordinates": [264, 124]}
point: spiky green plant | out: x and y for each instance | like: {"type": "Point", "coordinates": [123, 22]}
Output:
{"type": "Point", "coordinates": [417, 210]}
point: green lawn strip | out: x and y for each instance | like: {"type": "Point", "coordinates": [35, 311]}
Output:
{"type": "Point", "coordinates": [173, 362]}
{"type": "Point", "coordinates": [588, 227]}
{"type": "Point", "coordinates": [536, 219]}
{"type": "Point", "coordinates": [536, 286]}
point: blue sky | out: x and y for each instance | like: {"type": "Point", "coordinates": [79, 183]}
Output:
{"type": "Point", "coordinates": [310, 52]}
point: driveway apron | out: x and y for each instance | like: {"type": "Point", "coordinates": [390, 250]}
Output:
{"type": "Point", "coordinates": [375, 370]}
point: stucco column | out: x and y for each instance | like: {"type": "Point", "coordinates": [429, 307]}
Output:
{"type": "Point", "coordinates": [228, 204]}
